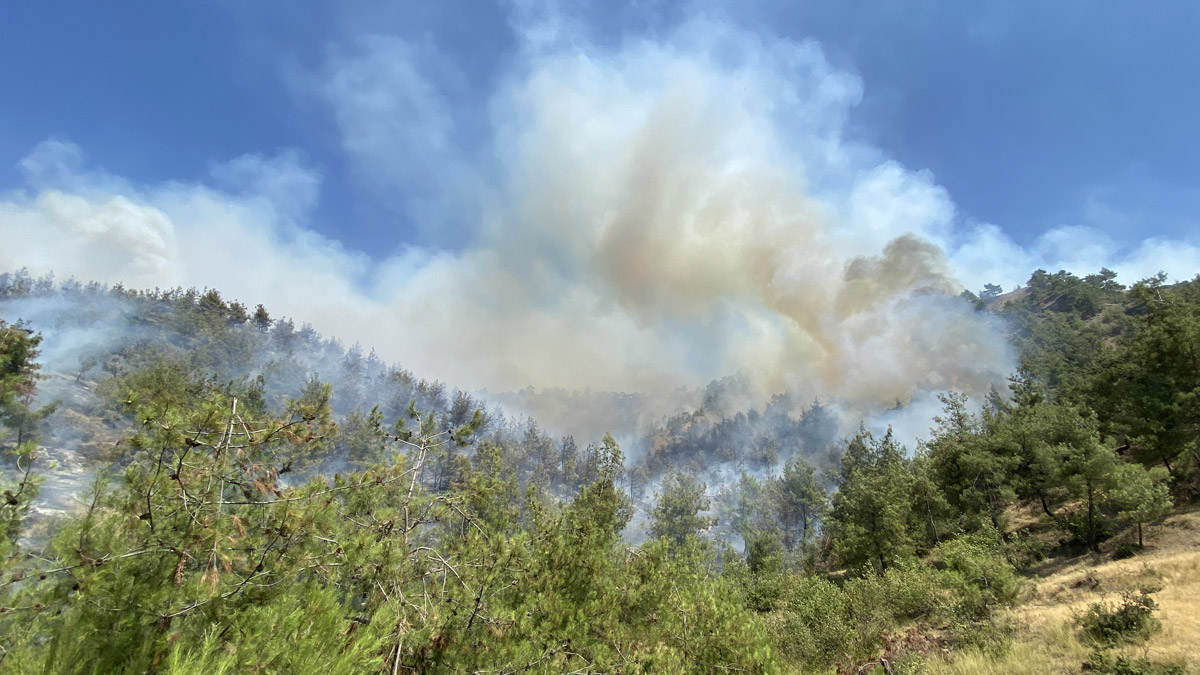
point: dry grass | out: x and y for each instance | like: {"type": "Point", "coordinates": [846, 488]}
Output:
{"type": "Point", "coordinates": [1042, 652]}
{"type": "Point", "coordinates": [1046, 640]}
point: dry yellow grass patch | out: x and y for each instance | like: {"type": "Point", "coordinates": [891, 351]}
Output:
{"type": "Point", "coordinates": [1050, 651]}
{"type": "Point", "coordinates": [1046, 639]}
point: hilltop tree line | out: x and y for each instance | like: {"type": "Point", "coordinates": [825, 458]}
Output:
{"type": "Point", "coordinates": [243, 527]}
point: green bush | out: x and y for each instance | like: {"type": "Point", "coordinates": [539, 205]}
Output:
{"type": "Point", "coordinates": [764, 553]}
{"type": "Point", "coordinates": [1125, 550]}
{"type": "Point", "coordinates": [1024, 550]}
{"type": "Point", "coordinates": [1130, 621]}
{"type": "Point", "coordinates": [989, 636]}
{"type": "Point", "coordinates": [977, 577]}
{"type": "Point", "coordinates": [1077, 525]}
{"type": "Point", "coordinates": [818, 623]}
{"type": "Point", "coordinates": [910, 591]}
{"type": "Point", "coordinates": [869, 611]}
{"type": "Point", "coordinates": [815, 627]}
{"type": "Point", "coordinates": [765, 592]}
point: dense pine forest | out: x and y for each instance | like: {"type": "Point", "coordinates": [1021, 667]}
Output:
{"type": "Point", "coordinates": [193, 485]}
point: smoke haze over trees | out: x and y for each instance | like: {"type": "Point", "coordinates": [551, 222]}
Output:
{"type": "Point", "coordinates": [235, 459]}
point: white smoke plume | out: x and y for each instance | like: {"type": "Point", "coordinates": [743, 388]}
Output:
{"type": "Point", "coordinates": [651, 215]}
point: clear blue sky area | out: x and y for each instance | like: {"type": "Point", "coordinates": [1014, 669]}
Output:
{"type": "Point", "coordinates": [1028, 113]}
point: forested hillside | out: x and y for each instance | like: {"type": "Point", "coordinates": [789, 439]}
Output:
{"type": "Point", "coordinates": [195, 486]}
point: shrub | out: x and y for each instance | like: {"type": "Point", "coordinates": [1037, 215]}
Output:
{"type": "Point", "coordinates": [909, 591]}
{"type": "Point", "coordinates": [1130, 621]}
{"type": "Point", "coordinates": [815, 622]}
{"type": "Point", "coordinates": [764, 592]}
{"type": "Point", "coordinates": [815, 627]}
{"type": "Point", "coordinates": [869, 611]}
{"type": "Point", "coordinates": [1024, 550]}
{"type": "Point", "coordinates": [1083, 531]}
{"type": "Point", "coordinates": [978, 576]}
{"type": "Point", "coordinates": [1126, 550]}
{"type": "Point", "coordinates": [988, 636]}
{"type": "Point", "coordinates": [764, 553]}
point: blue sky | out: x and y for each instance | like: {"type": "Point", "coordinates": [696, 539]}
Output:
{"type": "Point", "coordinates": [1030, 114]}
{"type": "Point", "coordinates": [629, 195]}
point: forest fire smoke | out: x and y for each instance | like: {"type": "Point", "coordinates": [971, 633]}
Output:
{"type": "Point", "coordinates": [659, 232]}
{"type": "Point", "coordinates": [663, 213]}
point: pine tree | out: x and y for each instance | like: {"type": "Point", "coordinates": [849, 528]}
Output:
{"type": "Point", "coordinates": [872, 505]}
{"type": "Point", "coordinates": [973, 473]}
{"type": "Point", "coordinates": [677, 514]}
{"type": "Point", "coordinates": [18, 385]}
{"type": "Point", "coordinates": [800, 502]}
{"type": "Point", "coordinates": [1140, 495]}
{"type": "Point", "coordinates": [1150, 385]}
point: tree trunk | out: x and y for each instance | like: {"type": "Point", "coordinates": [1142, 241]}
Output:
{"type": "Point", "coordinates": [1092, 519]}
{"type": "Point", "coordinates": [932, 525]}
{"type": "Point", "coordinates": [995, 517]}
{"type": "Point", "coordinates": [803, 526]}
{"type": "Point", "coordinates": [1046, 508]}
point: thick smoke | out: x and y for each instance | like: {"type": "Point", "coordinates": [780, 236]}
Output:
{"type": "Point", "coordinates": [658, 214]}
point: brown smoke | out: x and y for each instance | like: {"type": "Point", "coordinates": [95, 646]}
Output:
{"type": "Point", "coordinates": [664, 213]}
